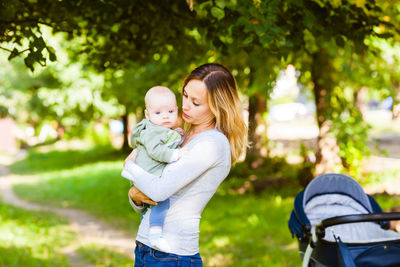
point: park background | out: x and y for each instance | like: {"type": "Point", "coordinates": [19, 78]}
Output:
{"type": "Point", "coordinates": [319, 82]}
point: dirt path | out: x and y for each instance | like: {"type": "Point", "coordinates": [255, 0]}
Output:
{"type": "Point", "coordinates": [88, 229]}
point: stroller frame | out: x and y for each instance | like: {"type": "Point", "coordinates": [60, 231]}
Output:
{"type": "Point", "coordinates": [319, 232]}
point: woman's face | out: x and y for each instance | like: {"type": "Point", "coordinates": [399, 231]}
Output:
{"type": "Point", "coordinates": [195, 108]}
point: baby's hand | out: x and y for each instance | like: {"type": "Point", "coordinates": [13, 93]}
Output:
{"type": "Point", "coordinates": [180, 131]}
{"type": "Point", "coordinates": [182, 152]}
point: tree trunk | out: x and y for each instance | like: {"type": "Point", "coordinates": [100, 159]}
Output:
{"type": "Point", "coordinates": [327, 158]}
{"type": "Point", "coordinates": [359, 99]}
{"type": "Point", "coordinates": [257, 131]}
{"type": "Point", "coordinates": [125, 144]}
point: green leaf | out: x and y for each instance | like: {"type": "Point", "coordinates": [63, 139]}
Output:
{"type": "Point", "coordinates": [248, 40]}
{"type": "Point", "coordinates": [340, 41]}
{"type": "Point", "coordinates": [52, 53]}
{"type": "Point", "coordinates": [385, 35]}
{"type": "Point", "coordinates": [259, 29]}
{"type": "Point", "coordinates": [39, 43]}
{"type": "Point", "coordinates": [13, 54]}
{"type": "Point", "coordinates": [134, 28]}
{"type": "Point", "coordinates": [29, 61]}
{"type": "Point", "coordinates": [52, 57]}
{"type": "Point", "coordinates": [220, 3]}
{"type": "Point", "coordinates": [217, 13]}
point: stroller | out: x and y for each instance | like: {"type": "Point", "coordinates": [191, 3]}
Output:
{"type": "Point", "coordinates": [337, 224]}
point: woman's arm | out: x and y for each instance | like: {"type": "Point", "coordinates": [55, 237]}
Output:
{"type": "Point", "coordinates": [196, 161]}
{"type": "Point", "coordinates": [136, 197]}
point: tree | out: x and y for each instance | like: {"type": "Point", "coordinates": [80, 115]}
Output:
{"type": "Point", "coordinates": [251, 36]}
{"type": "Point", "coordinates": [320, 30]}
{"type": "Point", "coordinates": [123, 39]}
{"type": "Point", "coordinates": [348, 25]}
{"type": "Point", "coordinates": [241, 44]}
{"type": "Point", "coordinates": [310, 33]}
{"type": "Point", "coordinates": [63, 93]}
{"type": "Point", "coordinates": [112, 32]}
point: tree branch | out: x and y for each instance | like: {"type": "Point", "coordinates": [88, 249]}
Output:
{"type": "Point", "coordinates": [8, 50]}
{"type": "Point", "coordinates": [11, 51]}
{"type": "Point", "coordinates": [19, 21]}
{"type": "Point", "coordinates": [37, 21]}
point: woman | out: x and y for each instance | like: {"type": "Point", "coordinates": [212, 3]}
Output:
{"type": "Point", "coordinates": [216, 136]}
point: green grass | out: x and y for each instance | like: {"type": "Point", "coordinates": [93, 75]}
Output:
{"type": "Point", "coordinates": [103, 257]}
{"type": "Point", "coordinates": [245, 230]}
{"type": "Point", "coordinates": [235, 230]}
{"type": "Point", "coordinates": [388, 177]}
{"type": "Point", "coordinates": [32, 238]}
{"type": "Point", "coordinates": [54, 160]}
{"type": "Point", "coordinates": [97, 188]}
{"type": "Point", "coordinates": [387, 202]}
{"type": "Point", "coordinates": [248, 230]}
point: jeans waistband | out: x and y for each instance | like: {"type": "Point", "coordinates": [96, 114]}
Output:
{"type": "Point", "coordinates": [144, 247]}
{"type": "Point", "coordinates": [147, 256]}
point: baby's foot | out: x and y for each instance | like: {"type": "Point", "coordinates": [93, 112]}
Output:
{"type": "Point", "coordinates": [157, 241]}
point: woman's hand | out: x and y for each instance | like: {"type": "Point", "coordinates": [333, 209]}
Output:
{"type": "Point", "coordinates": [139, 198]}
{"type": "Point", "coordinates": [180, 131]}
{"type": "Point", "coordinates": [132, 156]}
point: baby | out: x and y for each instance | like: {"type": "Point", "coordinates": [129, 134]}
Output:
{"type": "Point", "coordinates": [157, 144]}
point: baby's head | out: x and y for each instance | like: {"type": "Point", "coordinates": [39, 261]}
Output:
{"type": "Point", "coordinates": [161, 108]}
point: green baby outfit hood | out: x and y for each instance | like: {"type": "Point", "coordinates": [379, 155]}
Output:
{"type": "Point", "coordinates": [135, 133]}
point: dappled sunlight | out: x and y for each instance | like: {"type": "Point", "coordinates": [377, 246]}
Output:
{"type": "Point", "coordinates": [63, 145]}
{"type": "Point", "coordinates": [292, 246]}
{"type": "Point", "coordinates": [387, 182]}
{"type": "Point", "coordinates": [23, 256]}
{"type": "Point", "coordinates": [221, 241]}
{"type": "Point", "coordinates": [32, 237]}
{"type": "Point", "coordinates": [103, 256]}
{"type": "Point", "coordinates": [251, 230]}
{"type": "Point", "coordinates": [96, 187]}
{"type": "Point", "coordinates": [53, 160]}
{"type": "Point", "coordinates": [253, 220]}
{"type": "Point", "coordinates": [220, 260]}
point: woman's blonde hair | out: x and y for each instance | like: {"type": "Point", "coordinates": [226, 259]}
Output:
{"type": "Point", "coordinates": [224, 102]}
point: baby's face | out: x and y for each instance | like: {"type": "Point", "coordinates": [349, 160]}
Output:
{"type": "Point", "coordinates": [162, 111]}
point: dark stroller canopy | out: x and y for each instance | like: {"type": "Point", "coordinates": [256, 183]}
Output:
{"type": "Point", "coordinates": [334, 183]}
{"type": "Point", "coordinates": [331, 183]}
{"type": "Point", "coordinates": [315, 249]}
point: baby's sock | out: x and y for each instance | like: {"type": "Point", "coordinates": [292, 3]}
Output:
{"type": "Point", "coordinates": [156, 239]}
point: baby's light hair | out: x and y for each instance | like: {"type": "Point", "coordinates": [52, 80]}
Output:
{"type": "Point", "coordinates": [157, 91]}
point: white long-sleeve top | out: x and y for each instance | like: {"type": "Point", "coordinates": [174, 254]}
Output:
{"type": "Point", "coordinates": [189, 183]}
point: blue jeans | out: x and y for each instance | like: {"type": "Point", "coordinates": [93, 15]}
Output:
{"type": "Point", "coordinates": [148, 257]}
